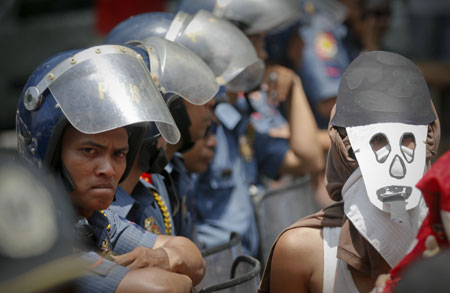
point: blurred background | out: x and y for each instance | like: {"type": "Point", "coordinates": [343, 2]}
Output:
{"type": "Point", "coordinates": [33, 30]}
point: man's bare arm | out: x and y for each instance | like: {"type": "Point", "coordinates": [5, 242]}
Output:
{"type": "Point", "coordinates": [154, 280]}
{"type": "Point", "coordinates": [184, 256]}
{"type": "Point", "coordinates": [297, 262]}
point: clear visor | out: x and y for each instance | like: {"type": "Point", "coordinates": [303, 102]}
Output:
{"type": "Point", "coordinates": [176, 69]}
{"type": "Point", "coordinates": [225, 49]}
{"type": "Point", "coordinates": [107, 87]}
{"type": "Point", "coordinates": [259, 15]}
{"type": "Point", "coordinates": [248, 79]}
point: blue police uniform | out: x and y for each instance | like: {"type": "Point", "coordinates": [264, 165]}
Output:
{"type": "Point", "coordinates": [183, 184]}
{"type": "Point", "coordinates": [103, 275]}
{"type": "Point", "coordinates": [221, 194]}
{"type": "Point", "coordinates": [120, 235]}
{"type": "Point", "coordinates": [326, 53]}
{"type": "Point", "coordinates": [140, 207]}
{"type": "Point", "coordinates": [163, 183]}
{"type": "Point", "coordinates": [112, 232]}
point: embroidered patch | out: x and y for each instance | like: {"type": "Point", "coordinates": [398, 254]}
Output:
{"type": "Point", "coordinates": [151, 226]}
{"type": "Point", "coordinates": [325, 46]}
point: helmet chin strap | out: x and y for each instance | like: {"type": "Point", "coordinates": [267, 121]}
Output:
{"type": "Point", "coordinates": [67, 181]}
{"type": "Point", "coordinates": [181, 117]}
{"type": "Point", "coordinates": [158, 162]}
{"type": "Point", "coordinates": [151, 158]}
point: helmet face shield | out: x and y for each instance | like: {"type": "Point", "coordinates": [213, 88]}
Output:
{"type": "Point", "coordinates": [123, 89]}
{"type": "Point", "coordinates": [176, 69]}
{"type": "Point", "coordinates": [248, 79]}
{"type": "Point", "coordinates": [257, 15]}
{"type": "Point", "coordinates": [211, 38]}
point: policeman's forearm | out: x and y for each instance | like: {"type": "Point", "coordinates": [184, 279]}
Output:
{"type": "Point", "coordinates": [154, 280]}
{"type": "Point", "coordinates": [292, 164]}
{"type": "Point", "coordinates": [185, 258]}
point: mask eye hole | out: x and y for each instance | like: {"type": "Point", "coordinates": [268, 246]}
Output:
{"type": "Point", "coordinates": [380, 146]}
{"type": "Point", "coordinates": [408, 145]}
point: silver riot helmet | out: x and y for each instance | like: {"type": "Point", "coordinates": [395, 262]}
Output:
{"type": "Point", "coordinates": [95, 90]}
{"type": "Point", "coordinates": [221, 45]}
{"type": "Point", "coordinates": [177, 70]}
{"type": "Point", "coordinates": [384, 104]}
{"type": "Point", "coordinates": [252, 16]}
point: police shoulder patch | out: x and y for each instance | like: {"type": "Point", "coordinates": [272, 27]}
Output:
{"type": "Point", "coordinates": [325, 45]}
{"type": "Point", "coordinates": [151, 226]}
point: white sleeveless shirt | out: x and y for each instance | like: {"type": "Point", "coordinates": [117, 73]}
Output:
{"type": "Point", "coordinates": [336, 276]}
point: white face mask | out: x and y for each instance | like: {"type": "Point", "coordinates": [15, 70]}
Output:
{"type": "Point", "coordinates": [392, 159]}
{"type": "Point", "coordinates": [391, 239]}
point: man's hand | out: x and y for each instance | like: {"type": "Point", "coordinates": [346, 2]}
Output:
{"type": "Point", "coordinates": [278, 82]}
{"type": "Point", "coordinates": [380, 283]}
{"type": "Point", "coordinates": [142, 257]}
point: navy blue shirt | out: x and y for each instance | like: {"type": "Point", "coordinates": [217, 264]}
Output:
{"type": "Point", "coordinates": [183, 184]}
{"type": "Point", "coordinates": [140, 207]}
{"type": "Point", "coordinates": [123, 236]}
{"type": "Point", "coordinates": [221, 195]}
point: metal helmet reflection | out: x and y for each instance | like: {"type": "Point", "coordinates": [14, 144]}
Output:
{"type": "Point", "coordinates": [224, 48]}
{"type": "Point", "coordinates": [253, 16]}
{"type": "Point", "coordinates": [95, 90]}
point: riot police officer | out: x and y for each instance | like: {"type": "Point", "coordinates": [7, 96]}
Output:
{"type": "Point", "coordinates": [59, 127]}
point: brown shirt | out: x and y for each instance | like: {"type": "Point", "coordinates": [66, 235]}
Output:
{"type": "Point", "coordinates": [352, 248]}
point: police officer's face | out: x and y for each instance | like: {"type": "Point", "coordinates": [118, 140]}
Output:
{"type": "Point", "coordinates": [95, 163]}
{"type": "Point", "coordinates": [201, 117]}
{"type": "Point", "coordinates": [200, 156]}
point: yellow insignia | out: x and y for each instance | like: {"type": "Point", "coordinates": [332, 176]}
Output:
{"type": "Point", "coordinates": [151, 226]}
{"type": "Point", "coordinates": [326, 46]}
{"type": "Point", "coordinates": [246, 142]}
{"type": "Point", "coordinates": [309, 8]}
{"type": "Point", "coordinates": [105, 245]}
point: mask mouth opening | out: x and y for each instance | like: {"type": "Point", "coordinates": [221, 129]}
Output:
{"type": "Point", "coordinates": [394, 193]}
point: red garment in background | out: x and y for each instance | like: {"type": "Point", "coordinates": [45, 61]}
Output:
{"type": "Point", "coordinates": [435, 187]}
{"type": "Point", "coordinates": [111, 12]}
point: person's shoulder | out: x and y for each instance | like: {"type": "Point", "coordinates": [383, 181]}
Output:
{"type": "Point", "coordinates": [297, 261]}
{"type": "Point", "coordinates": [300, 244]}
{"type": "Point", "coordinates": [300, 241]}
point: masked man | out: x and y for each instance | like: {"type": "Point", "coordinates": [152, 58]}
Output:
{"type": "Point", "coordinates": [384, 132]}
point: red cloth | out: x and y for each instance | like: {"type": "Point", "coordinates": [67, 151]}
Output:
{"type": "Point", "coordinates": [147, 177]}
{"type": "Point", "coordinates": [111, 12]}
{"type": "Point", "coordinates": [435, 187]}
